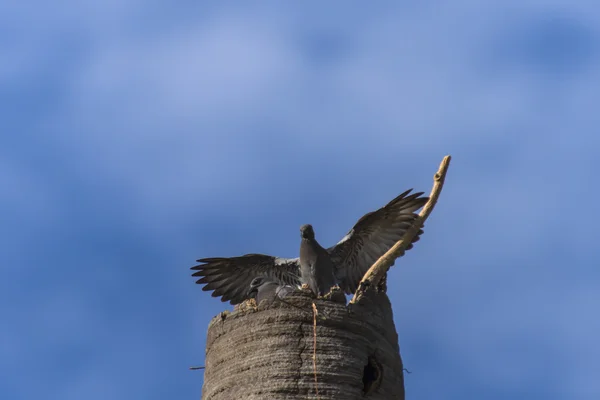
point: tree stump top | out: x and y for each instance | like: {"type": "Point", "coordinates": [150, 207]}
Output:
{"type": "Point", "coordinates": [266, 352]}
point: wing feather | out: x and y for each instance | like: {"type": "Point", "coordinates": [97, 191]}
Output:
{"type": "Point", "coordinates": [229, 278]}
{"type": "Point", "coordinates": [372, 236]}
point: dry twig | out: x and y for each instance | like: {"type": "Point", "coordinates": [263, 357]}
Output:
{"type": "Point", "coordinates": [378, 270]}
{"type": "Point", "coordinates": [315, 313]}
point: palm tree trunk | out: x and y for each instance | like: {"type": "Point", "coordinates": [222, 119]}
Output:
{"type": "Point", "coordinates": [267, 352]}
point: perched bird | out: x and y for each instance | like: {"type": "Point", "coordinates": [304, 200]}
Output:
{"type": "Point", "coordinates": [316, 268]}
{"type": "Point", "coordinates": [262, 288]}
{"type": "Point", "coordinates": [373, 235]}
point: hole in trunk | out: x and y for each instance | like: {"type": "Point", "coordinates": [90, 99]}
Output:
{"type": "Point", "coordinates": [372, 375]}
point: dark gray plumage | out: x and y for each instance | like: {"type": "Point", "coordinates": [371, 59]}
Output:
{"type": "Point", "coordinates": [316, 268]}
{"type": "Point", "coordinates": [373, 235]}
{"type": "Point", "coordinates": [263, 288]}
{"type": "Point", "coordinates": [230, 278]}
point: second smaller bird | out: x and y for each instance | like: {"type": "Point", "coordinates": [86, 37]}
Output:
{"type": "Point", "coordinates": [263, 288]}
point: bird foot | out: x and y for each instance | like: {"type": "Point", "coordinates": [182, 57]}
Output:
{"type": "Point", "coordinates": [306, 288]}
{"type": "Point", "coordinates": [336, 295]}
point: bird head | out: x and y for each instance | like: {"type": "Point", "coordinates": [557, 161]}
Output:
{"type": "Point", "coordinates": [307, 232]}
{"type": "Point", "coordinates": [254, 285]}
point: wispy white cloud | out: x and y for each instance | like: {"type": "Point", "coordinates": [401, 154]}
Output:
{"type": "Point", "coordinates": [263, 119]}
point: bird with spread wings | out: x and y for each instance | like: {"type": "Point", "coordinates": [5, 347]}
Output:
{"type": "Point", "coordinates": [371, 237]}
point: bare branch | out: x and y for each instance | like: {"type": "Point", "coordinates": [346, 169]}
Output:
{"type": "Point", "coordinates": [378, 270]}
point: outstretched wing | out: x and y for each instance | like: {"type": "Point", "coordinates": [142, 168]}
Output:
{"type": "Point", "coordinates": [372, 236]}
{"type": "Point", "coordinates": [229, 278]}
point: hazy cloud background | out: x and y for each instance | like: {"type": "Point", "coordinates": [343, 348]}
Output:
{"type": "Point", "coordinates": [139, 136]}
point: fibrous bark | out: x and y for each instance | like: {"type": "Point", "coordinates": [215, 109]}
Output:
{"type": "Point", "coordinates": [266, 352]}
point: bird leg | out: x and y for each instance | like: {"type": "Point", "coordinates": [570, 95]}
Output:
{"type": "Point", "coordinates": [306, 287]}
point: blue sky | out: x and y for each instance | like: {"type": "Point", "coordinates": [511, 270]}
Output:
{"type": "Point", "coordinates": [138, 136]}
